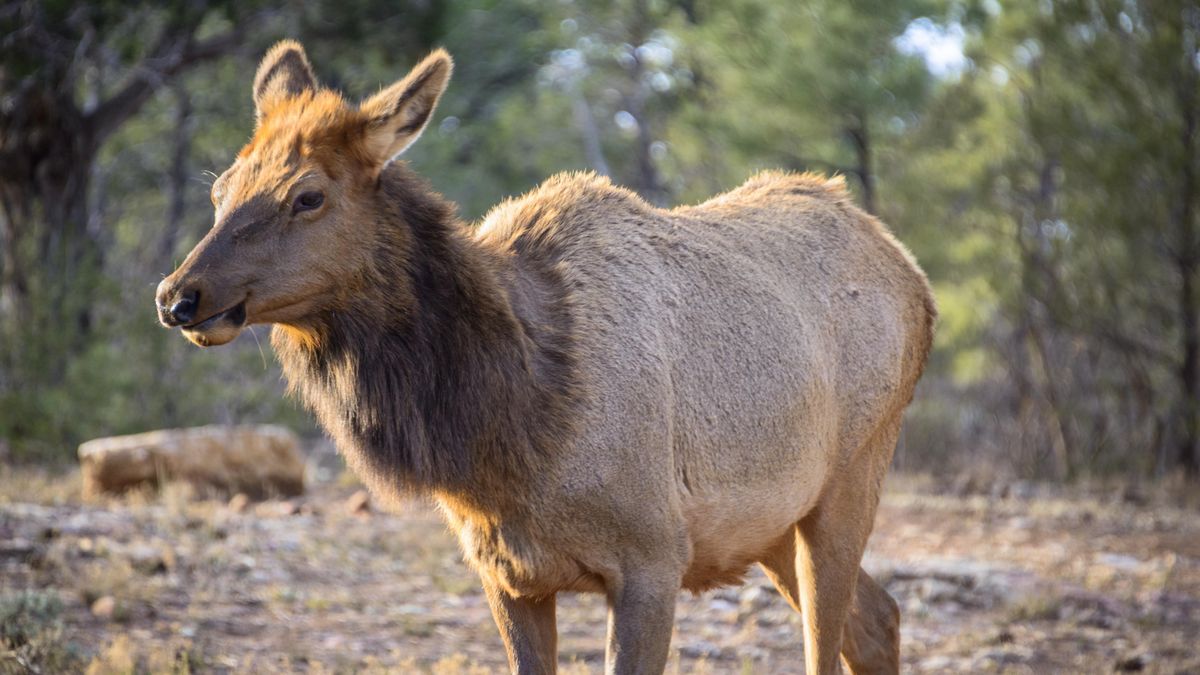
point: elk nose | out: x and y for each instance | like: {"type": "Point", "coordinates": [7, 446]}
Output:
{"type": "Point", "coordinates": [182, 310]}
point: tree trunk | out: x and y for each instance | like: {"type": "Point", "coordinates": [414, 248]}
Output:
{"type": "Point", "coordinates": [48, 150]}
{"type": "Point", "coordinates": [860, 138]}
{"type": "Point", "coordinates": [592, 149]}
{"type": "Point", "coordinates": [14, 286]}
{"type": "Point", "coordinates": [1187, 258]}
{"type": "Point", "coordinates": [1189, 369]}
{"type": "Point", "coordinates": [177, 184]}
{"type": "Point", "coordinates": [647, 182]}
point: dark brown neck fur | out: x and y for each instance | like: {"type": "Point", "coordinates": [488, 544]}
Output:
{"type": "Point", "coordinates": [450, 368]}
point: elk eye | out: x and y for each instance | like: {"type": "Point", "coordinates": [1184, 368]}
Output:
{"type": "Point", "coordinates": [307, 201]}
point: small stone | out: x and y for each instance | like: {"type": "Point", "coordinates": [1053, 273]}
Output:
{"type": "Point", "coordinates": [1119, 561]}
{"type": "Point", "coordinates": [151, 559]}
{"type": "Point", "coordinates": [1001, 657]}
{"type": "Point", "coordinates": [755, 598]}
{"type": "Point", "coordinates": [359, 503]}
{"type": "Point", "coordinates": [239, 502]}
{"type": "Point", "coordinates": [939, 662]}
{"type": "Point", "coordinates": [1133, 664]}
{"type": "Point", "coordinates": [702, 649]}
{"type": "Point", "coordinates": [19, 549]}
{"type": "Point", "coordinates": [720, 605]}
{"type": "Point", "coordinates": [277, 509]}
{"type": "Point", "coordinates": [938, 590]}
{"type": "Point", "coordinates": [104, 607]}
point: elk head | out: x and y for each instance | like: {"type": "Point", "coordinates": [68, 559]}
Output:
{"type": "Point", "coordinates": [296, 226]}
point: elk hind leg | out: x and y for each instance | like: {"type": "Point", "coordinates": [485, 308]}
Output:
{"type": "Point", "coordinates": [829, 544]}
{"type": "Point", "coordinates": [871, 638]}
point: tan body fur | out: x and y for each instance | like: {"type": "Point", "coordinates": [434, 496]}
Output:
{"type": "Point", "coordinates": [601, 395]}
{"type": "Point", "coordinates": [735, 356]}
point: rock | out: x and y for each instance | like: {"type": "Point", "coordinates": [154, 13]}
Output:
{"type": "Point", "coordinates": [151, 559]}
{"type": "Point", "coordinates": [721, 606]}
{"type": "Point", "coordinates": [1001, 658]}
{"type": "Point", "coordinates": [938, 662]}
{"type": "Point", "coordinates": [104, 607]}
{"type": "Point", "coordinates": [701, 649]}
{"type": "Point", "coordinates": [359, 503]}
{"type": "Point", "coordinates": [1118, 561]}
{"type": "Point", "coordinates": [239, 502]}
{"type": "Point", "coordinates": [274, 509]}
{"type": "Point", "coordinates": [1133, 664]}
{"type": "Point", "coordinates": [752, 653]}
{"type": "Point", "coordinates": [938, 590]}
{"type": "Point", "coordinates": [19, 549]}
{"type": "Point", "coordinates": [255, 460]}
{"type": "Point", "coordinates": [755, 598]}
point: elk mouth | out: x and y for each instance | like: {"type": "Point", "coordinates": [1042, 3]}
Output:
{"type": "Point", "coordinates": [219, 328]}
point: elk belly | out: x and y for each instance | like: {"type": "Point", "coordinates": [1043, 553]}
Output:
{"type": "Point", "coordinates": [506, 554]}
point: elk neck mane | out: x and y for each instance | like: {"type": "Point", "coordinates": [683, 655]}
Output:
{"type": "Point", "coordinates": [451, 366]}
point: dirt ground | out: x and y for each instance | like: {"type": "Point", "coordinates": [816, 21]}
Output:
{"type": "Point", "coordinates": [1023, 581]}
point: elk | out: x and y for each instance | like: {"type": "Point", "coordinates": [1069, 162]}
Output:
{"type": "Point", "coordinates": [599, 394]}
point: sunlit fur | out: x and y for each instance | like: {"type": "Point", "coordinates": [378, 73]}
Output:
{"type": "Point", "coordinates": [600, 394]}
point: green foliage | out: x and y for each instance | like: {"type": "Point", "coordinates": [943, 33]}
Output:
{"type": "Point", "coordinates": [32, 637]}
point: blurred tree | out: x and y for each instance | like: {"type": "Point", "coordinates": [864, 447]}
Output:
{"type": "Point", "coordinates": [99, 191]}
{"type": "Point", "coordinates": [1108, 231]}
{"type": "Point", "coordinates": [72, 76]}
{"type": "Point", "coordinates": [815, 85]}
{"type": "Point", "coordinates": [1064, 160]}
{"type": "Point", "coordinates": [1046, 180]}
{"type": "Point", "coordinates": [623, 70]}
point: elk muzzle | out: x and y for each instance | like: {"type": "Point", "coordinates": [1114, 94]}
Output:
{"type": "Point", "coordinates": [185, 307]}
{"type": "Point", "coordinates": [179, 310]}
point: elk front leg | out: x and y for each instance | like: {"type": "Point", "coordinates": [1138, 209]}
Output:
{"type": "Point", "coordinates": [528, 629]}
{"type": "Point", "coordinates": [640, 619]}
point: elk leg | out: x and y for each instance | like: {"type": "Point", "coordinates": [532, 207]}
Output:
{"type": "Point", "coordinates": [527, 626]}
{"type": "Point", "coordinates": [871, 638]}
{"type": "Point", "coordinates": [829, 550]}
{"type": "Point", "coordinates": [640, 619]}
{"type": "Point", "coordinates": [871, 641]}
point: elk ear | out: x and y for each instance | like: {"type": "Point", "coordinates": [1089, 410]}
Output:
{"type": "Point", "coordinates": [283, 73]}
{"type": "Point", "coordinates": [397, 115]}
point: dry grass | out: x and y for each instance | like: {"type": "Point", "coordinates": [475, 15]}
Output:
{"type": "Point", "coordinates": [126, 656]}
{"type": "Point", "coordinates": [1032, 580]}
{"type": "Point", "coordinates": [40, 485]}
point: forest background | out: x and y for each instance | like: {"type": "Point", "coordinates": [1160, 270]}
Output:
{"type": "Point", "coordinates": [1038, 157]}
